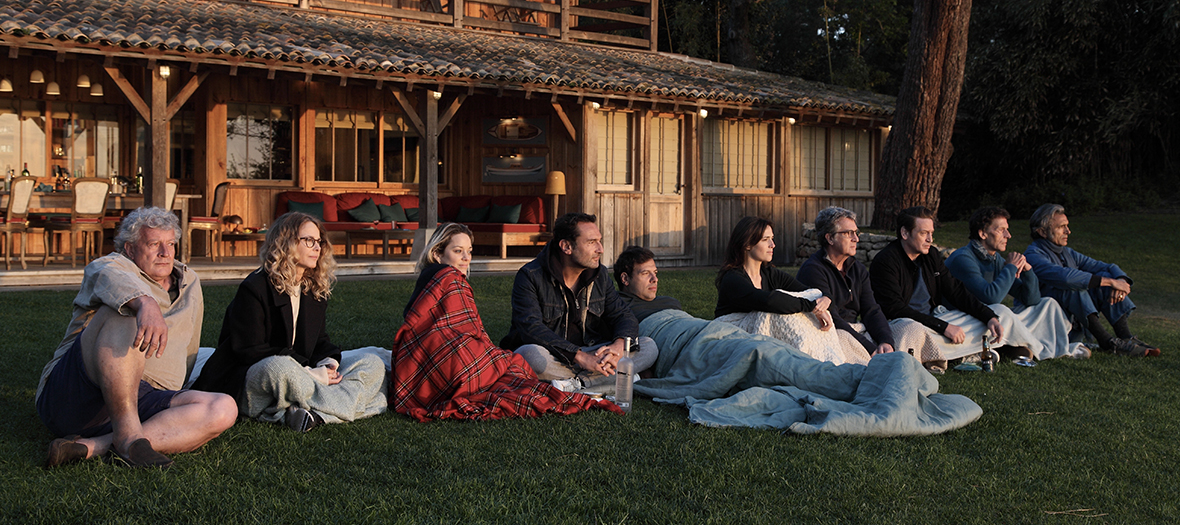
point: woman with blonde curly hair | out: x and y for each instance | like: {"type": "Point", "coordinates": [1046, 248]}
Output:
{"type": "Point", "coordinates": [274, 355]}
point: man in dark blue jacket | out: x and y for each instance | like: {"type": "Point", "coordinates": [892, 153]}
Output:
{"type": "Point", "coordinates": [568, 321]}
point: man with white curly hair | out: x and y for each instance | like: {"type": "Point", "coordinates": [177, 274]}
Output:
{"type": "Point", "coordinates": [115, 384]}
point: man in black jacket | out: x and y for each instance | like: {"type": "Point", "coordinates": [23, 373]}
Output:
{"type": "Point", "coordinates": [910, 281]}
{"type": "Point", "coordinates": [568, 321]}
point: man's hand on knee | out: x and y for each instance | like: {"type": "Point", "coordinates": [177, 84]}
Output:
{"type": "Point", "coordinates": [151, 336]}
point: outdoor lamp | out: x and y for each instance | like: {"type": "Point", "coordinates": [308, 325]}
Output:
{"type": "Point", "coordinates": [83, 81]}
{"type": "Point", "coordinates": [555, 186]}
{"type": "Point", "coordinates": [5, 85]}
{"type": "Point", "coordinates": [436, 94]}
{"type": "Point", "coordinates": [96, 90]}
{"type": "Point", "coordinates": [704, 113]}
{"type": "Point", "coordinates": [37, 77]}
{"type": "Point", "coordinates": [52, 89]}
{"type": "Point", "coordinates": [165, 71]}
{"type": "Point", "coordinates": [791, 121]}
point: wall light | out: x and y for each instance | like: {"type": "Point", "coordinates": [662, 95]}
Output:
{"type": "Point", "coordinates": [791, 121]}
{"type": "Point", "coordinates": [5, 85]}
{"type": "Point", "coordinates": [165, 71]}
{"type": "Point", "coordinates": [83, 81]}
{"type": "Point", "coordinates": [889, 128]}
{"type": "Point", "coordinates": [96, 90]}
{"type": "Point", "coordinates": [37, 77]}
{"type": "Point", "coordinates": [52, 89]}
{"type": "Point", "coordinates": [704, 113]}
{"type": "Point", "coordinates": [436, 94]}
{"type": "Point", "coordinates": [595, 105]}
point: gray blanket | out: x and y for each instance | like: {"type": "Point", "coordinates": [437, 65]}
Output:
{"type": "Point", "coordinates": [727, 377]}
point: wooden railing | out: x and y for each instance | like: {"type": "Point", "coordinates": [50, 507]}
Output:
{"type": "Point", "coordinates": [627, 23]}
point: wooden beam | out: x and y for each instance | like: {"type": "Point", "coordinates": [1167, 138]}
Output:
{"type": "Point", "coordinates": [445, 119]}
{"type": "Point", "coordinates": [408, 108]}
{"type": "Point", "coordinates": [13, 51]}
{"type": "Point", "coordinates": [428, 209]}
{"type": "Point", "coordinates": [565, 119]}
{"type": "Point", "coordinates": [185, 92]}
{"type": "Point", "coordinates": [129, 92]}
{"type": "Point", "coordinates": [159, 149]}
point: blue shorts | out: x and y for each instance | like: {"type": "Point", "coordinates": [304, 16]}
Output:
{"type": "Point", "coordinates": [71, 403]}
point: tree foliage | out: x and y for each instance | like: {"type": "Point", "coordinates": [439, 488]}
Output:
{"type": "Point", "coordinates": [1072, 101]}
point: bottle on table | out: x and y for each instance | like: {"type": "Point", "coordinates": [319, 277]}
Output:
{"type": "Point", "coordinates": [25, 172]}
{"type": "Point", "coordinates": [623, 379]}
{"type": "Point", "coordinates": [139, 181]}
{"type": "Point", "coordinates": [8, 179]}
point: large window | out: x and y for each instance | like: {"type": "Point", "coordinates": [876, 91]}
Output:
{"type": "Point", "coordinates": [349, 148]}
{"type": "Point", "coordinates": [832, 159]}
{"type": "Point", "coordinates": [614, 147]}
{"type": "Point", "coordinates": [259, 142]}
{"type": "Point", "coordinates": [84, 138]}
{"type": "Point", "coordinates": [665, 155]}
{"type": "Point", "coordinates": [736, 154]}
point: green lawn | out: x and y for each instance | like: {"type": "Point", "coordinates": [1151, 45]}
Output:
{"type": "Point", "coordinates": [1096, 437]}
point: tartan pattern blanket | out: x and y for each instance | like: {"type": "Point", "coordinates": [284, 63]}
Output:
{"type": "Point", "coordinates": [446, 367]}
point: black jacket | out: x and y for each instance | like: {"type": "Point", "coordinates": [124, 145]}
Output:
{"type": "Point", "coordinates": [547, 313]}
{"type": "Point", "coordinates": [258, 325]}
{"type": "Point", "coordinates": [736, 293]}
{"type": "Point", "coordinates": [893, 275]}
{"type": "Point", "coordinates": [851, 295]}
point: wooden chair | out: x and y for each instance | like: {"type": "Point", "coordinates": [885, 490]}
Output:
{"type": "Point", "coordinates": [111, 222]}
{"type": "Point", "coordinates": [16, 218]}
{"type": "Point", "coordinates": [85, 220]}
{"type": "Point", "coordinates": [211, 224]}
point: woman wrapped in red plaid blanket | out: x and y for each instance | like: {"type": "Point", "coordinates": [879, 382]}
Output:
{"type": "Point", "coordinates": [444, 363]}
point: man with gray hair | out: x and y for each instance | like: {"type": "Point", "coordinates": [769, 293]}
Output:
{"type": "Point", "coordinates": [115, 384]}
{"type": "Point", "coordinates": [1084, 286]}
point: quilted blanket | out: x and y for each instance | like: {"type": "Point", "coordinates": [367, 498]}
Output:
{"type": "Point", "coordinates": [446, 367]}
{"type": "Point", "coordinates": [727, 377]}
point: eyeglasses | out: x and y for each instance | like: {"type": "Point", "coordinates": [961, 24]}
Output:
{"type": "Point", "coordinates": [851, 233]}
{"type": "Point", "coordinates": [312, 242]}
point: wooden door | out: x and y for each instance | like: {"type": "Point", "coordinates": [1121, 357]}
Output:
{"type": "Point", "coordinates": [666, 198]}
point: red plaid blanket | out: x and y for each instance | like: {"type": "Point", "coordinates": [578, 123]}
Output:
{"type": "Point", "coordinates": [445, 366]}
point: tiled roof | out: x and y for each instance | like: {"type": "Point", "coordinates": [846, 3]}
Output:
{"type": "Point", "coordinates": [251, 31]}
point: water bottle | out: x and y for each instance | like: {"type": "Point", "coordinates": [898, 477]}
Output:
{"type": "Point", "coordinates": [623, 378]}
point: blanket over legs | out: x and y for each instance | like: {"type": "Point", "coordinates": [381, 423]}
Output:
{"type": "Point", "coordinates": [445, 366]}
{"type": "Point", "coordinates": [727, 377]}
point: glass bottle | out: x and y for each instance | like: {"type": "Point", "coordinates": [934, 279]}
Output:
{"type": "Point", "coordinates": [623, 379]}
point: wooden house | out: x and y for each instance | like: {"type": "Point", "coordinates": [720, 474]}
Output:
{"type": "Point", "coordinates": [433, 98]}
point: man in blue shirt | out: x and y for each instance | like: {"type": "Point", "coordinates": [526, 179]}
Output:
{"type": "Point", "coordinates": [991, 276]}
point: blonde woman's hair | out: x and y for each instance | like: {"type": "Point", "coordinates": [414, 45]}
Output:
{"type": "Point", "coordinates": [432, 254]}
{"type": "Point", "coordinates": [279, 259]}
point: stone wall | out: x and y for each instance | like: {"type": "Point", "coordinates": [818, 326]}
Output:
{"type": "Point", "coordinates": [869, 246]}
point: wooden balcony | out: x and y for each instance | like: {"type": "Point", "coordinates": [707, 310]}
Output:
{"type": "Point", "coordinates": [624, 23]}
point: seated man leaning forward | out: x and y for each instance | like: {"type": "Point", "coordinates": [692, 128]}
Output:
{"type": "Point", "coordinates": [568, 322]}
{"type": "Point", "coordinates": [910, 281]}
{"type": "Point", "coordinates": [114, 384]}
{"type": "Point", "coordinates": [1082, 285]}
{"type": "Point", "coordinates": [991, 276]}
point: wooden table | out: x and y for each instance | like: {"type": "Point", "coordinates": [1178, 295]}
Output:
{"type": "Point", "coordinates": [372, 235]}
{"type": "Point", "coordinates": [233, 237]}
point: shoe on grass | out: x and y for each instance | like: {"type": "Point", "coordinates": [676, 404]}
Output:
{"type": "Point", "coordinates": [301, 419]}
{"type": "Point", "coordinates": [140, 454]}
{"type": "Point", "coordinates": [1128, 347]}
{"type": "Point", "coordinates": [1149, 351]}
{"type": "Point", "coordinates": [572, 384]}
{"type": "Point", "coordinates": [65, 451]}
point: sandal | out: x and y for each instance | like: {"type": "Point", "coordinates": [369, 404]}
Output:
{"type": "Point", "coordinates": [140, 454]}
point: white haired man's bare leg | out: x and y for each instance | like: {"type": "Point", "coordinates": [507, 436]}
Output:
{"type": "Point", "coordinates": [194, 419]}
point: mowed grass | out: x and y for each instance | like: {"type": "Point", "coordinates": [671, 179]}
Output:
{"type": "Point", "coordinates": [1057, 442]}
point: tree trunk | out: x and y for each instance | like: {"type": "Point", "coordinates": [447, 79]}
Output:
{"type": "Point", "coordinates": [741, 50]}
{"type": "Point", "coordinates": [919, 145]}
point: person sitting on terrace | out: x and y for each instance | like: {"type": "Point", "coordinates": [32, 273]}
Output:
{"type": "Point", "coordinates": [1084, 286]}
{"type": "Point", "coordinates": [114, 384]}
{"type": "Point", "coordinates": [445, 365]}
{"type": "Point", "coordinates": [991, 276]}
{"type": "Point", "coordinates": [274, 355]}
{"type": "Point", "coordinates": [910, 281]}
{"type": "Point", "coordinates": [759, 298]}
{"type": "Point", "coordinates": [568, 321]}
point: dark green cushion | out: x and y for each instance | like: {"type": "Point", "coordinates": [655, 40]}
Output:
{"type": "Point", "coordinates": [315, 209]}
{"type": "Point", "coordinates": [366, 212]}
{"type": "Point", "coordinates": [412, 214]}
{"type": "Point", "coordinates": [505, 214]}
{"type": "Point", "coordinates": [472, 214]}
{"type": "Point", "coordinates": [393, 213]}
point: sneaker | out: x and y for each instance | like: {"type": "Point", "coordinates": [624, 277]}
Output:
{"type": "Point", "coordinates": [572, 384]}
{"type": "Point", "coordinates": [1128, 348]}
{"type": "Point", "coordinates": [301, 419]}
{"type": "Point", "coordinates": [1149, 351]}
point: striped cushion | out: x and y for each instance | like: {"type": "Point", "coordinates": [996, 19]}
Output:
{"type": "Point", "coordinates": [66, 220]}
{"type": "Point", "coordinates": [213, 220]}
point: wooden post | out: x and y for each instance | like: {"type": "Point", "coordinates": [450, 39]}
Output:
{"type": "Point", "coordinates": [154, 182]}
{"type": "Point", "coordinates": [428, 212]}
{"type": "Point", "coordinates": [589, 177]}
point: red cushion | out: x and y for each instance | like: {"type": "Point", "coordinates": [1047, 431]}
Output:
{"type": "Point", "coordinates": [532, 207]}
{"type": "Point", "coordinates": [307, 197]}
{"type": "Point", "coordinates": [505, 228]}
{"type": "Point", "coordinates": [353, 226]}
{"type": "Point", "coordinates": [407, 201]}
{"type": "Point", "coordinates": [206, 219]}
{"type": "Point", "coordinates": [348, 201]}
